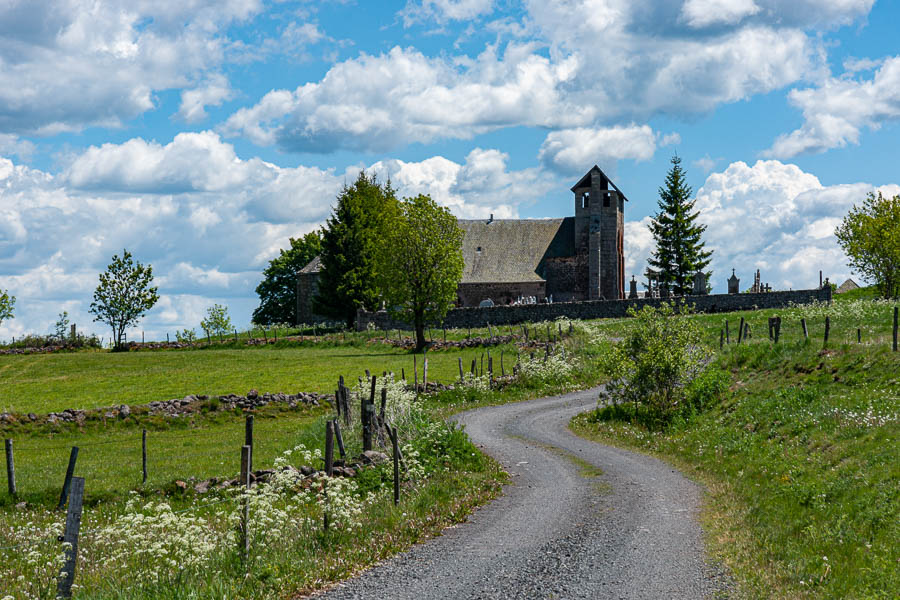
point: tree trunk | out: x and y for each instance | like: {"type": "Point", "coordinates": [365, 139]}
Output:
{"type": "Point", "coordinates": [420, 335]}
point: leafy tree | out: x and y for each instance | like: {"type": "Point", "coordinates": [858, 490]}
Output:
{"type": "Point", "coordinates": [61, 327]}
{"type": "Point", "coordinates": [185, 335]}
{"type": "Point", "coordinates": [278, 289]}
{"type": "Point", "coordinates": [870, 236]}
{"type": "Point", "coordinates": [358, 222]}
{"type": "Point", "coordinates": [217, 320]}
{"type": "Point", "coordinates": [420, 263]}
{"type": "Point", "coordinates": [679, 249]}
{"type": "Point", "coordinates": [7, 304]}
{"type": "Point", "coordinates": [124, 294]}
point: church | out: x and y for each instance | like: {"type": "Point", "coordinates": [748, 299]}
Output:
{"type": "Point", "coordinates": [566, 259]}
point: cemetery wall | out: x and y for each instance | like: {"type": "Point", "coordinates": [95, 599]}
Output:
{"type": "Point", "coordinates": [601, 309]}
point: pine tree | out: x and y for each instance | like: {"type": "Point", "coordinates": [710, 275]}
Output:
{"type": "Point", "coordinates": [347, 277]}
{"type": "Point", "coordinates": [679, 248]}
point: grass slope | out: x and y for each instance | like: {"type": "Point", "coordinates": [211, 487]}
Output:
{"type": "Point", "coordinates": [43, 383]}
{"type": "Point", "coordinates": [801, 456]}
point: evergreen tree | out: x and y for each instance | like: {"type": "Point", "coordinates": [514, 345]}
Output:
{"type": "Point", "coordinates": [347, 276]}
{"type": "Point", "coordinates": [278, 289]}
{"type": "Point", "coordinates": [679, 249]}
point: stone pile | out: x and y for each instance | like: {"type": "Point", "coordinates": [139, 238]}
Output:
{"type": "Point", "coordinates": [341, 469]}
{"type": "Point", "coordinates": [253, 399]}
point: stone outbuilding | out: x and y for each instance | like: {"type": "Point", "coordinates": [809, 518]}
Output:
{"type": "Point", "coordinates": [565, 259]}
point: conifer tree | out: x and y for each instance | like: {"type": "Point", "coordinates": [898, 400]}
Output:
{"type": "Point", "coordinates": [347, 276]}
{"type": "Point", "coordinates": [679, 249]}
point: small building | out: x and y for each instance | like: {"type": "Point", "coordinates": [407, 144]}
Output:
{"type": "Point", "coordinates": [567, 259]}
{"type": "Point", "coordinates": [847, 286]}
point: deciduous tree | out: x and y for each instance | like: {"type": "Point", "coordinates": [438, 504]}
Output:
{"type": "Point", "coordinates": [679, 252]}
{"type": "Point", "coordinates": [278, 289]}
{"type": "Point", "coordinates": [870, 236]}
{"type": "Point", "coordinates": [347, 278]}
{"type": "Point", "coordinates": [217, 320]}
{"type": "Point", "coordinates": [7, 304]}
{"type": "Point", "coordinates": [124, 295]}
{"type": "Point", "coordinates": [420, 263]}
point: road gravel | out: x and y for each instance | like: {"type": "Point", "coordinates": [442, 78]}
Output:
{"type": "Point", "coordinates": [559, 530]}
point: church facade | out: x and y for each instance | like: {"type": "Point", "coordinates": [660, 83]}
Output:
{"type": "Point", "coordinates": [566, 259]}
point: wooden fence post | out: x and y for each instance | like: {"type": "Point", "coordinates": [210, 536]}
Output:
{"type": "Point", "coordinates": [827, 327]}
{"type": "Point", "coordinates": [777, 326]}
{"type": "Point", "coordinates": [425, 370]}
{"type": "Point", "coordinates": [144, 454]}
{"type": "Point", "coordinates": [395, 447]}
{"type": "Point", "coordinates": [70, 471]}
{"type": "Point", "coordinates": [248, 437]}
{"type": "Point", "coordinates": [502, 373]}
{"type": "Point", "coordinates": [858, 335]}
{"type": "Point", "coordinates": [383, 403]}
{"type": "Point", "coordinates": [727, 333]}
{"type": "Point", "coordinates": [459, 358]}
{"type": "Point", "coordinates": [805, 330]}
{"type": "Point", "coordinates": [339, 438]}
{"type": "Point", "coordinates": [740, 331]}
{"type": "Point", "coordinates": [70, 536]}
{"type": "Point", "coordinates": [329, 448]}
{"type": "Point", "coordinates": [896, 309]}
{"type": "Point", "coordinates": [10, 468]}
{"type": "Point", "coordinates": [245, 504]}
{"type": "Point", "coordinates": [474, 367]}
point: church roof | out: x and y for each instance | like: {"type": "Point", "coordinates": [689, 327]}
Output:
{"type": "Point", "coordinates": [513, 250]}
{"type": "Point", "coordinates": [314, 266]}
{"type": "Point", "coordinates": [589, 176]}
{"type": "Point", "coordinates": [847, 286]}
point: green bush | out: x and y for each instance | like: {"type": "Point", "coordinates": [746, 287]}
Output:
{"type": "Point", "coordinates": [660, 365]}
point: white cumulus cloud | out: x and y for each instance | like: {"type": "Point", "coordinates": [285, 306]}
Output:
{"type": "Point", "coordinates": [573, 151]}
{"type": "Point", "coordinates": [836, 112]}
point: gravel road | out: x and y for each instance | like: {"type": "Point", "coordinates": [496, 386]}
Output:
{"type": "Point", "coordinates": [557, 531]}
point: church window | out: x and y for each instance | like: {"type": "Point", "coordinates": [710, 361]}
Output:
{"type": "Point", "coordinates": [606, 200]}
{"type": "Point", "coordinates": [585, 199]}
{"type": "Point", "coordinates": [478, 249]}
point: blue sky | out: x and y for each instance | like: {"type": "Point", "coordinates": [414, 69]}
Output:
{"type": "Point", "coordinates": [202, 134]}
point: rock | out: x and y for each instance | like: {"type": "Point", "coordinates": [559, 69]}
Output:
{"type": "Point", "coordinates": [345, 471]}
{"type": "Point", "coordinates": [22, 506]}
{"type": "Point", "coordinates": [32, 417]}
{"type": "Point", "coordinates": [203, 486]}
{"type": "Point", "coordinates": [252, 395]}
{"type": "Point", "coordinates": [373, 457]}
{"type": "Point", "coordinates": [109, 415]}
{"type": "Point", "coordinates": [306, 470]}
{"type": "Point", "coordinates": [124, 411]}
{"type": "Point", "coordinates": [181, 485]}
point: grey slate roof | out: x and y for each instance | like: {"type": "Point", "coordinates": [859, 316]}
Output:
{"type": "Point", "coordinates": [506, 250]}
{"type": "Point", "coordinates": [314, 266]}
{"type": "Point", "coordinates": [847, 286]}
{"type": "Point", "coordinates": [513, 250]}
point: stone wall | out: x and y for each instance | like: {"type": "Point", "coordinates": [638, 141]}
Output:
{"type": "Point", "coordinates": [471, 294]}
{"type": "Point", "coordinates": [600, 309]}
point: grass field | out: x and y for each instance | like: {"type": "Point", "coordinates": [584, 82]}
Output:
{"type": "Point", "coordinates": [801, 457]}
{"type": "Point", "coordinates": [43, 383]}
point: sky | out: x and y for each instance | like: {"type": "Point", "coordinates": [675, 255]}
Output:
{"type": "Point", "coordinates": [201, 135]}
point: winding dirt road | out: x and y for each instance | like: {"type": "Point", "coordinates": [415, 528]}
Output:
{"type": "Point", "coordinates": [559, 530]}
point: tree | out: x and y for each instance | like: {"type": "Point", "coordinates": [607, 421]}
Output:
{"type": "Point", "coordinates": [7, 304]}
{"type": "Point", "coordinates": [870, 237]}
{"type": "Point", "coordinates": [679, 252]}
{"type": "Point", "coordinates": [347, 278]}
{"type": "Point", "coordinates": [420, 263]}
{"type": "Point", "coordinates": [61, 327]}
{"type": "Point", "coordinates": [123, 296]}
{"type": "Point", "coordinates": [217, 320]}
{"type": "Point", "coordinates": [278, 289]}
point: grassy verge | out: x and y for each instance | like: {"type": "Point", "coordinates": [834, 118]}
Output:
{"type": "Point", "coordinates": [800, 457]}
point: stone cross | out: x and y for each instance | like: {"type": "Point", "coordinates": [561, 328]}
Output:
{"type": "Point", "coordinates": [632, 290]}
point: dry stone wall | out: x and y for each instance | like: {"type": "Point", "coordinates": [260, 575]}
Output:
{"type": "Point", "coordinates": [600, 309]}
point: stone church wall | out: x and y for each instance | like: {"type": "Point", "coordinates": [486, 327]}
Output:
{"type": "Point", "coordinates": [471, 294]}
{"type": "Point", "coordinates": [600, 309]}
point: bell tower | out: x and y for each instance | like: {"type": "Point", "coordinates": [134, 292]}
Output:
{"type": "Point", "coordinates": [599, 237]}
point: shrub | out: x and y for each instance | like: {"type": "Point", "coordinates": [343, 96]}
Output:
{"type": "Point", "coordinates": [656, 364]}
